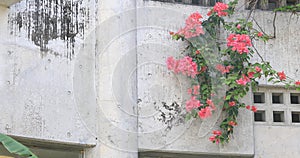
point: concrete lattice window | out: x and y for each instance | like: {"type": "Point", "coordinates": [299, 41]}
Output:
{"type": "Point", "coordinates": [270, 4]}
{"type": "Point", "coordinates": [192, 2]}
{"type": "Point", "coordinates": [295, 117]}
{"type": "Point", "coordinates": [260, 116]}
{"type": "Point", "coordinates": [276, 106]}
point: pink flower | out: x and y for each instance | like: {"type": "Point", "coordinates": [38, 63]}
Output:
{"type": "Point", "coordinates": [190, 91]}
{"type": "Point", "coordinates": [239, 43]}
{"type": "Point", "coordinates": [297, 83]}
{"type": "Point", "coordinates": [232, 123]}
{"type": "Point", "coordinates": [254, 109]}
{"type": "Point", "coordinates": [212, 138]}
{"type": "Point", "coordinates": [193, 26]}
{"type": "Point", "coordinates": [192, 104]}
{"type": "Point", "coordinates": [259, 34]}
{"type": "Point", "coordinates": [217, 132]}
{"type": "Point", "coordinates": [171, 62]}
{"type": "Point", "coordinates": [243, 81]}
{"type": "Point", "coordinates": [171, 33]}
{"type": "Point", "coordinates": [248, 107]}
{"type": "Point", "coordinates": [250, 74]}
{"type": "Point", "coordinates": [281, 75]}
{"type": "Point", "coordinates": [197, 52]}
{"type": "Point", "coordinates": [209, 13]}
{"type": "Point", "coordinates": [238, 26]}
{"type": "Point", "coordinates": [186, 66]}
{"type": "Point", "coordinates": [232, 103]}
{"type": "Point", "coordinates": [258, 69]}
{"type": "Point", "coordinates": [196, 89]}
{"type": "Point", "coordinates": [219, 9]}
{"type": "Point", "coordinates": [223, 69]}
{"type": "Point", "coordinates": [205, 112]}
{"type": "Point", "coordinates": [210, 103]}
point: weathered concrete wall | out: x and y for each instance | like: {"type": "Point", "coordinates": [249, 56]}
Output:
{"type": "Point", "coordinates": [283, 52]}
{"type": "Point", "coordinates": [93, 73]}
{"type": "Point", "coordinates": [45, 93]}
{"type": "Point", "coordinates": [162, 94]}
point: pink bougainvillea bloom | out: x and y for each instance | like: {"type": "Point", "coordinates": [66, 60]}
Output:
{"type": "Point", "coordinates": [196, 89]}
{"type": "Point", "coordinates": [259, 34]}
{"type": "Point", "coordinates": [186, 66]}
{"type": "Point", "coordinates": [192, 104]}
{"type": "Point", "coordinates": [232, 103]}
{"type": "Point", "coordinates": [254, 109]}
{"type": "Point", "coordinates": [239, 43]}
{"type": "Point", "coordinates": [281, 75]}
{"type": "Point", "coordinates": [212, 138]}
{"type": "Point", "coordinates": [190, 91]}
{"type": "Point", "coordinates": [238, 26]}
{"type": "Point", "coordinates": [217, 132]}
{"type": "Point", "coordinates": [258, 69]}
{"type": "Point", "coordinates": [209, 13]}
{"type": "Point", "coordinates": [248, 107]}
{"type": "Point", "coordinates": [211, 104]}
{"type": "Point", "coordinates": [250, 74]}
{"type": "Point", "coordinates": [223, 69]}
{"type": "Point", "coordinates": [243, 81]}
{"type": "Point", "coordinates": [220, 8]}
{"type": "Point", "coordinates": [193, 26]}
{"type": "Point", "coordinates": [232, 123]}
{"type": "Point", "coordinates": [297, 83]}
{"type": "Point", "coordinates": [204, 112]}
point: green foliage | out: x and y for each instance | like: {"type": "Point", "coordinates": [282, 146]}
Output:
{"type": "Point", "coordinates": [15, 147]}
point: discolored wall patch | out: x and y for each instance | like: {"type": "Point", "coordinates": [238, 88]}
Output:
{"type": "Point", "coordinates": [44, 21]}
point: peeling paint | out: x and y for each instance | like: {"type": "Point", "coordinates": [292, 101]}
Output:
{"type": "Point", "coordinates": [42, 21]}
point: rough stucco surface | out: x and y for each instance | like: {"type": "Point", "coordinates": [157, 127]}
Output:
{"type": "Point", "coordinates": [100, 73]}
{"type": "Point", "coordinates": [162, 94]}
{"type": "Point", "coordinates": [45, 96]}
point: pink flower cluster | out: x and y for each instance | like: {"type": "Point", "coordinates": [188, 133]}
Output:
{"type": "Point", "coordinates": [223, 69]}
{"type": "Point", "coordinates": [281, 75]}
{"type": "Point", "coordinates": [210, 103]}
{"type": "Point", "coordinates": [205, 112]}
{"type": "Point", "coordinates": [186, 66]}
{"type": "Point", "coordinates": [219, 9]}
{"type": "Point", "coordinates": [193, 26]}
{"type": "Point", "coordinates": [215, 138]}
{"type": "Point", "coordinates": [252, 108]}
{"type": "Point", "coordinates": [239, 43]}
{"type": "Point", "coordinates": [193, 103]}
{"type": "Point", "coordinates": [243, 81]}
{"type": "Point", "coordinates": [194, 90]}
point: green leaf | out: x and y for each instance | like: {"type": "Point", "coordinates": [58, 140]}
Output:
{"type": "Point", "coordinates": [15, 147]}
{"type": "Point", "coordinates": [188, 117]}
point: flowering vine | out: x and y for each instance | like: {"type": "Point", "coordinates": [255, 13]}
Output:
{"type": "Point", "coordinates": [233, 68]}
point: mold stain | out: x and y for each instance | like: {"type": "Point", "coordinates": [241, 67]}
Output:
{"type": "Point", "coordinates": [42, 21]}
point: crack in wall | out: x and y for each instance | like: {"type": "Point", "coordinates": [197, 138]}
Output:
{"type": "Point", "coordinates": [42, 21]}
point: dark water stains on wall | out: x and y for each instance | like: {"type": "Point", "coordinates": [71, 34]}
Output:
{"type": "Point", "coordinates": [42, 21]}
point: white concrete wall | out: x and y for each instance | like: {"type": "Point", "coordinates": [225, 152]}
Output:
{"type": "Point", "coordinates": [110, 92]}
{"type": "Point", "coordinates": [156, 86]}
{"type": "Point", "coordinates": [46, 95]}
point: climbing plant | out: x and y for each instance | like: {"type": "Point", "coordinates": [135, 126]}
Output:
{"type": "Point", "coordinates": [214, 65]}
